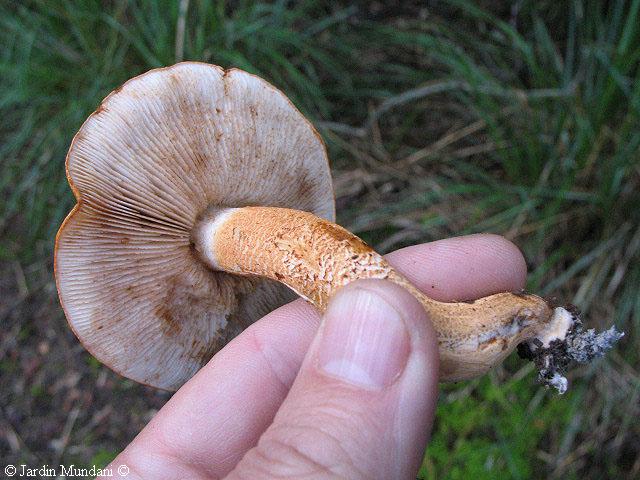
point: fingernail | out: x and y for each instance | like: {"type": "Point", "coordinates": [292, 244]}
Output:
{"type": "Point", "coordinates": [364, 340]}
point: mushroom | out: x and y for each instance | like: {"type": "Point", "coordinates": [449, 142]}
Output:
{"type": "Point", "coordinates": [201, 193]}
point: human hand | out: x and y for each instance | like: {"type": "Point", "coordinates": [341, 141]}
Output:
{"type": "Point", "coordinates": [354, 398]}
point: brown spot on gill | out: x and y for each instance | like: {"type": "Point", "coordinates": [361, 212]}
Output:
{"type": "Point", "coordinates": [200, 159]}
{"type": "Point", "coordinates": [170, 324]}
{"type": "Point", "coordinates": [225, 82]}
{"type": "Point", "coordinates": [202, 353]}
{"type": "Point", "coordinates": [305, 187]}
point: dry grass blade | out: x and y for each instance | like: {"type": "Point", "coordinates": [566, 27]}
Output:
{"type": "Point", "coordinates": [180, 29]}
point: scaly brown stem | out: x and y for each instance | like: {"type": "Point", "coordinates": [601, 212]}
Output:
{"type": "Point", "coordinates": [315, 257]}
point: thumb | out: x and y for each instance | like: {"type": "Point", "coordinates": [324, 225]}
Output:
{"type": "Point", "coordinates": [362, 404]}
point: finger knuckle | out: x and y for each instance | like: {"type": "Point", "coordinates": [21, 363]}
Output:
{"type": "Point", "coordinates": [288, 451]}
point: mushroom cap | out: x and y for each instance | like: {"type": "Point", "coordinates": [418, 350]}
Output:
{"type": "Point", "coordinates": [158, 153]}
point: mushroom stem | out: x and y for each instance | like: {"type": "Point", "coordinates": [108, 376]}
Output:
{"type": "Point", "coordinates": [315, 257]}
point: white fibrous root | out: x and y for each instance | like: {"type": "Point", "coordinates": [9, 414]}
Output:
{"type": "Point", "coordinates": [563, 342]}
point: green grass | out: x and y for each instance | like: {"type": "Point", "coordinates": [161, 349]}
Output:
{"type": "Point", "coordinates": [457, 118]}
